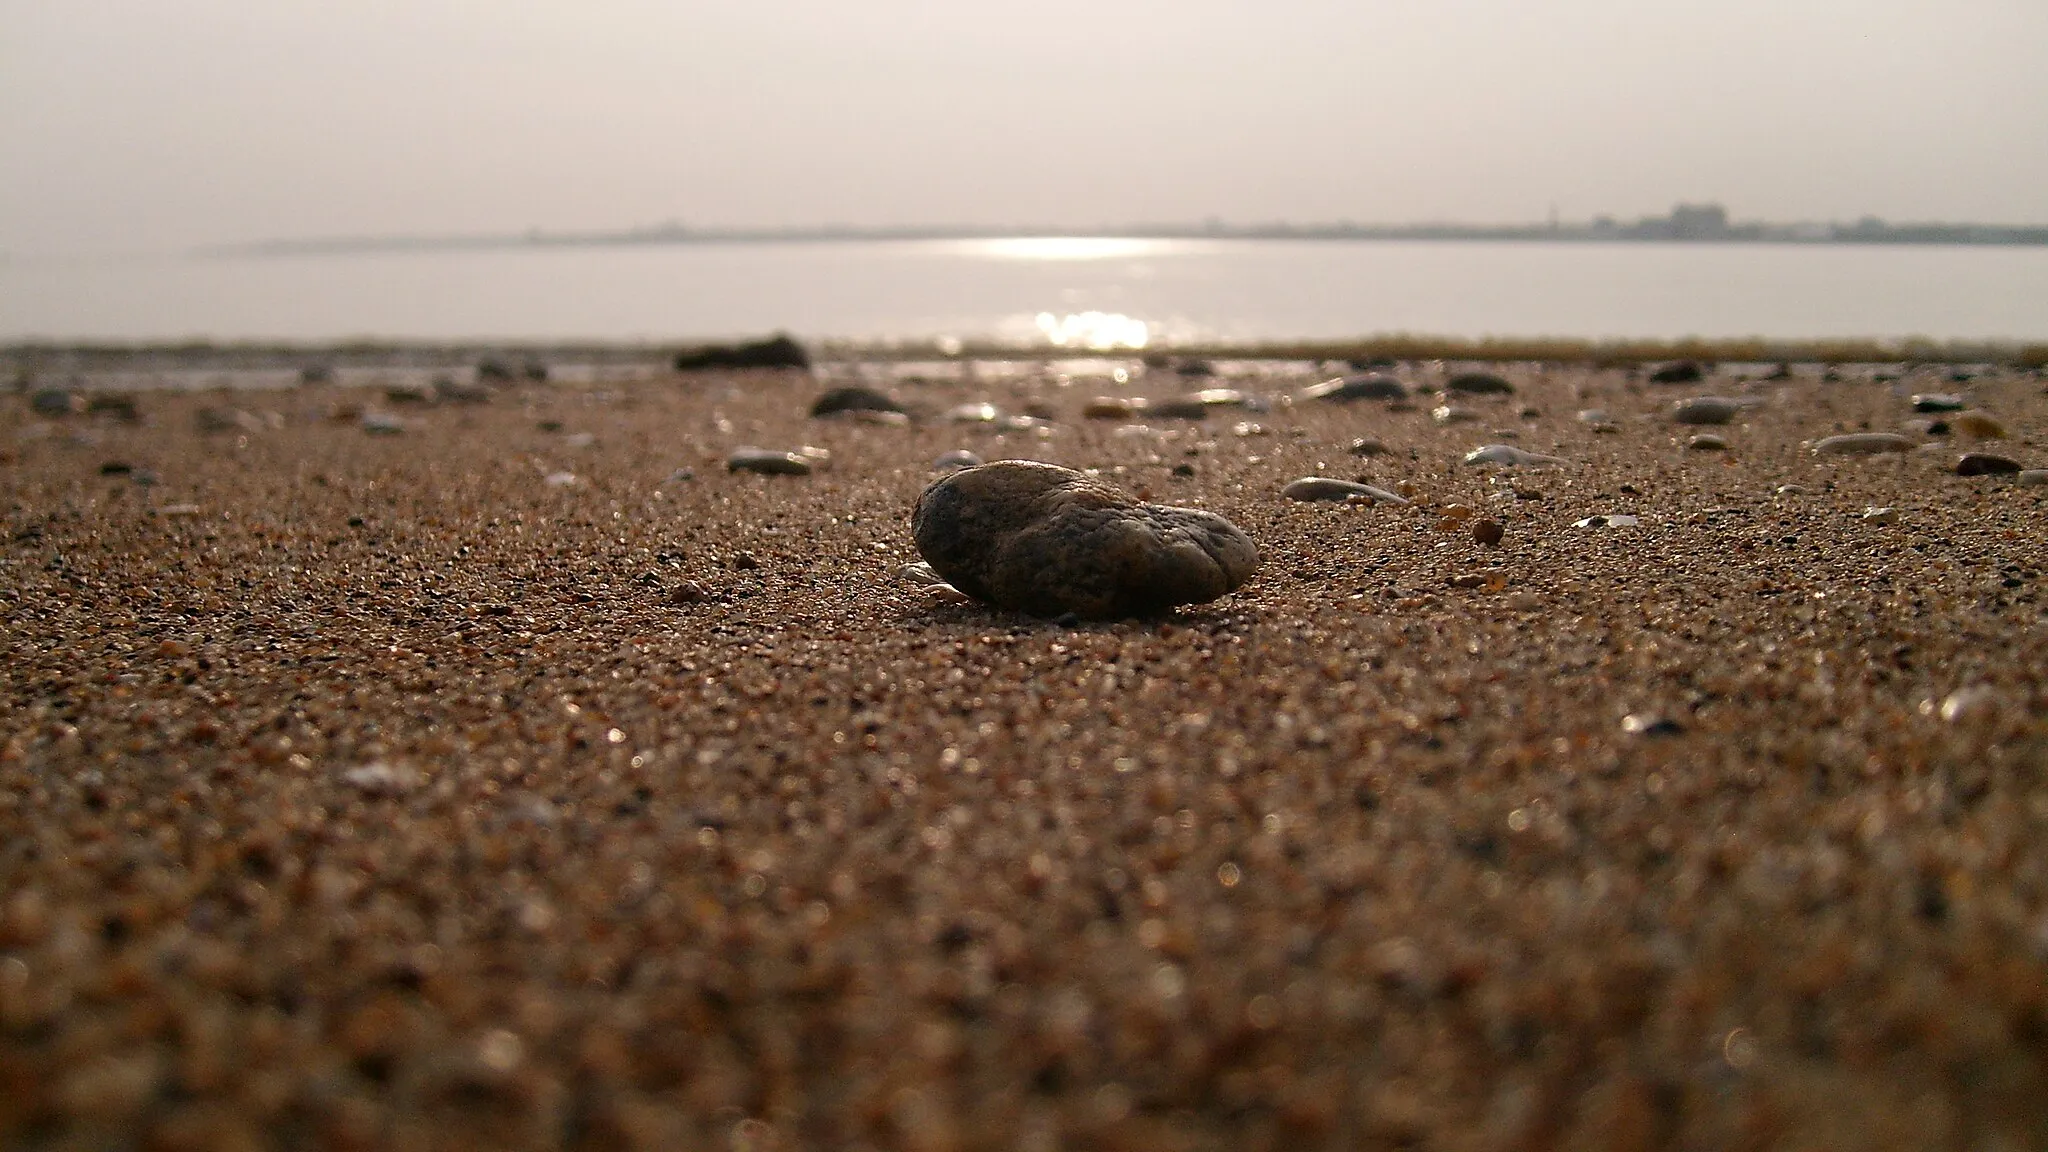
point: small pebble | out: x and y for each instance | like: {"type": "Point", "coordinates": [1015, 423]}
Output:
{"type": "Point", "coordinates": [1939, 402]}
{"type": "Point", "coordinates": [854, 399]}
{"type": "Point", "coordinates": [179, 511]}
{"type": "Point", "coordinates": [1707, 442]}
{"type": "Point", "coordinates": [56, 402]}
{"type": "Point", "coordinates": [382, 424]}
{"type": "Point", "coordinates": [763, 460]}
{"type": "Point", "coordinates": [1608, 521]}
{"type": "Point", "coordinates": [381, 779]}
{"type": "Point", "coordinates": [1509, 456]}
{"type": "Point", "coordinates": [1487, 532]}
{"type": "Point", "coordinates": [1450, 414]}
{"type": "Point", "coordinates": [1330, 488]}
{"type": "Point", "coordinates": [456, 393]}
{"type": "Point", "coordinates": [1366, 446]}
{"type": "Point", "coordinates": [1707, 410]}
{"type": "Point", "coordinates": [1679, 372]}
{"type": "Point", "coordinates": [1880, 515]}
{"type": "Point", "coordinates": [1109, 408]}
{"type": "Point", "coordinates": [560, 479]}
{"type": "Point", "coordinates": [880, 419]}
{"type": "Point", "coordinates": [1593, 416]}
{"type": "Point", "coordinates": [1179, 408]}
{"type": "Point", "coordinates": [1981, 425]}
{"type": "Point", "coordinates": [1479, 384]}
{"type": "Point", "coordinates": [1645, 724]}
{"type": "Point", "coordinates": [2034, 477]}
{"type": "Point", "coordinates": [1344, 389]}
{"type": "Point", "coordinates": [1863, 444]}
{"type": "Point", "coordinates": [1051, 542]}
{"type": "Point", "coordinates": [1986, 464]}
{"type": "Point", "coordinates": [1972, 703]}
{"type": "Point", "coordinates": [975, 413]}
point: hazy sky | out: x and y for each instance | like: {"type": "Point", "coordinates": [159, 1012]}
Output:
{"type": "Point", "coordinates": [157, 124]}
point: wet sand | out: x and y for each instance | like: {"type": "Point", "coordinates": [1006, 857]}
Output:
{"type": "Point", "coordinates": [492, 784]}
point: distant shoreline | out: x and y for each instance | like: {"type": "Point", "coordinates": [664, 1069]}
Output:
{"type": "Point", "coordinates": [1655, 231]}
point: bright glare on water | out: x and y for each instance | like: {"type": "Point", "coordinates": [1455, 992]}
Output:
{"type": "Point", "coordinates": [1068, 248]}
{"type": "Point", "coordinates": [1078, 292]}
{"type": "Point", "coordinates": [1096, 331]}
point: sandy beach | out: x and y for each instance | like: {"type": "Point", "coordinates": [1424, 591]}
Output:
{"type": "Point", "coordinates": [381, 772]}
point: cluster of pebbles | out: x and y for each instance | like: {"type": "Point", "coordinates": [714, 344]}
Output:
{"type": "Point", "coordinates": [573, 768]}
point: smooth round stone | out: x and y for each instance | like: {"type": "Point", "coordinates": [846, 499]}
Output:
{"type": "Point", "coordinates": [957, 458]}
{"type": "Point", "coordinates": [2033, 477]}
{"type": "Point", "coordinates": [1366, 446]}
{"type": "Point", "coordinates": [1452, 414]}
{"type": "Point", "coordinates": [1594, 416]}
{"type": "Point", "coordinates": [1880, 516]}
{"type": "Point", "coordinates": [1707, 410]}
{"type": "Point", "coordinates": [1986, 464]}
{"type": "Point", "coordinates": [854, 399]}
{"type": "Point", "coordinates": [1509, 456]}
{"type": "Point", "coordinates": [768, 461]}
{"type": "Point", "coordinates": [1863, 444]}
{"type": "Point", "coordinates": [1982, 425]}
{"type": "Point", "coordinates": [1051, 542]}
{"type": "Point", "coordinates": [1344, 389]}
{"type": "Point", "coordinates": [1706, 442]}
{"type": "Point", "coordinates": [1479, 384]}
{"type": "Point", "coordinates": [1330, 488]}
{"type": "Point", "coordinates": [1109, 408]}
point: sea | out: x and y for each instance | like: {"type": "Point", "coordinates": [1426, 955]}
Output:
{"type": "Point", "coordinates": [1083, 293]}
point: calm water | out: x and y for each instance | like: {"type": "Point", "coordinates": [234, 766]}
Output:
{"type": "Point", "coordinates": [1100, 293]}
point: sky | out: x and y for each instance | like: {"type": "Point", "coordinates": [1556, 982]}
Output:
{"type": "Point", "coordinates": [144, 125]}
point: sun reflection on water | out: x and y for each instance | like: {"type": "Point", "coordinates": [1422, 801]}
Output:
{"type": "Point", "coordinates": [1067, 247]}
{"type": "Point", "coordinates": [1098, 331]}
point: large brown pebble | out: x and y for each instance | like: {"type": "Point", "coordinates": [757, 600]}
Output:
{"type": "Point", "coordinates": [1051, 541]}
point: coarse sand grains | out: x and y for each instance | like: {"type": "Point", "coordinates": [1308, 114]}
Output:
{"type": "Point", "coordinates": [364, 791]}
